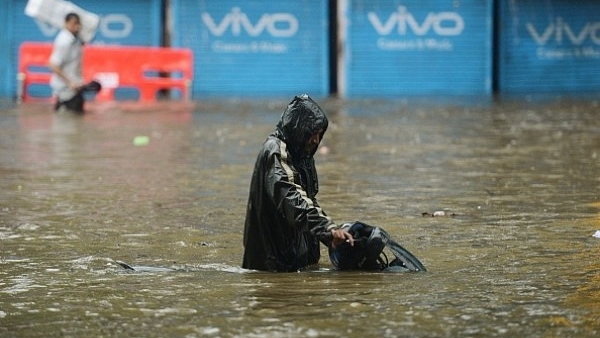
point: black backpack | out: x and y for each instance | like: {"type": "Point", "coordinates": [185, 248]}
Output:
{"type": "Point", "coordinates": [368, 251]}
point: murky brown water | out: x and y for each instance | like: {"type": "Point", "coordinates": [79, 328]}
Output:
{"type": "Point", "coordinates": [517, 258]}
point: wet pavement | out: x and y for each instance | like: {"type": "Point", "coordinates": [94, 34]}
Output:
{"type": "Point", "coordinates": [498, 198]}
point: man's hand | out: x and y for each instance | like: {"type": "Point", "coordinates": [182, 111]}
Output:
{"type": "Point", "coordinates": [75, 86]}
{"type": "Point", "coordinates": [56, 69]}
{"type": "Point", "coordinates": [340, 236]}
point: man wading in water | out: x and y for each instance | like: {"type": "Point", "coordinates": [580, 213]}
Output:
{"type": "Point", "coordinates": [284, 222]}
{"type": "Point", "coordinates": [65, 62]}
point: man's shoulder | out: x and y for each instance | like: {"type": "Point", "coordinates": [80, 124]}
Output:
{"type": "Point", "coordinates": [64, 37]}
{"type": "Point", "coordinates": [272, 141]}
{"type": "Point", "coordinates": [271, 147]}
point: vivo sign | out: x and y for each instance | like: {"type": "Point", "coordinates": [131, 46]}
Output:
{"type": "Point", "coordinates": [280, 25]}
{"type": "Point", "coordinates": [442, 23]}
{"type": "Point", "coordinates": [114, 26]}
{"type": "Point", "coordinates": [559, 30]}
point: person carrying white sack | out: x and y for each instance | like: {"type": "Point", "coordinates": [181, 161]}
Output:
{"type": "Point", "coordinates": [65, 62]}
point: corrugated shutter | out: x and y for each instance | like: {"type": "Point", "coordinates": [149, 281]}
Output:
{"type": "Point", "coordinates": [7, 73]}
{"type": "Point", "coordinates": [131, 22]}
{"type": "Point", "coordinates": [549, 46]}
{"type": "Point", "coordinates": [244, 47]}
{"type": "Point", "coordinates": [418, 47]}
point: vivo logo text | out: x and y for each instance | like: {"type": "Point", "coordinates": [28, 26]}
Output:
{"type": "Point", "coordinates": [560, 30]}
{"type": "Point", "coordinates": [442, 23]}
{"type": "Point", "coordinates": [275, 24]}
{"type": "Point", "coordinates": [113, 26]}
{"type": "Point", "coordinates": [116, 26]}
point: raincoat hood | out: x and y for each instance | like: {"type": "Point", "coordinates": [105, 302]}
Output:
{"type": "Point", "coordinates": [302, 118]}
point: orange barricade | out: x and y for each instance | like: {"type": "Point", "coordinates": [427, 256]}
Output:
{"type": "Point", "coordinates": [33, 68]}
{"type": "Point", "coordinates": [149, 70]}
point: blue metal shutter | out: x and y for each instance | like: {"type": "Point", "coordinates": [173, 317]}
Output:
{"type": "Point", "coordinates": [7, 78]}
{"type": "Point", "coordinates": [416, 47]}
{"type": "Point", "coordinates": [252, 47]}
{"type": "Point", "coordinates": [549, 46]}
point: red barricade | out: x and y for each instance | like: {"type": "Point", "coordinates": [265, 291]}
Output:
{"type": "Point", "coordinates": [148, 70]}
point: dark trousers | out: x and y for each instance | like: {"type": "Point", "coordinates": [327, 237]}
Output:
{"type": "Point", "coordinates": [74, 104]}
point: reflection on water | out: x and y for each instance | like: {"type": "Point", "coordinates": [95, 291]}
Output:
{"type": "Point", "coordinates": [518, 181]}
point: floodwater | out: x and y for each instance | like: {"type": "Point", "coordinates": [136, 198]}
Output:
{"type": "Point", "coordinates": [165, 185]}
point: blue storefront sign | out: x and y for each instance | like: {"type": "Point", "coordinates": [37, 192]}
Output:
{"type": "Point", "coordinates": [255, 47]}
{"type": "Point", "coordinates": [549, 46]}
{"type": "Point", "coordinates": [131, 22]}
{"type": "Point", "coordinates": [416, 47]}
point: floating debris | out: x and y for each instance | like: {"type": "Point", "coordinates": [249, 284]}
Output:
{"type": "Point", "coordinates": [143, 268]}
{"type": "Point", "coordinates": [141, 140]}
{"type": "Point", "coordinates": [439, 213]}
